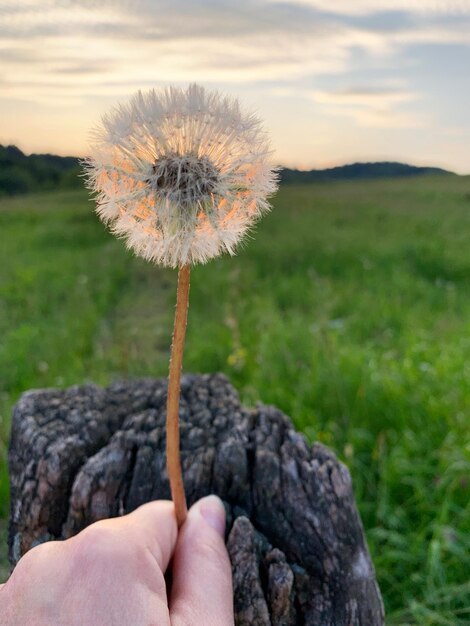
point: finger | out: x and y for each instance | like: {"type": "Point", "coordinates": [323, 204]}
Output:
{"type": "Point", "coordinates": [155, 522]}
{"type": "Point", "coordinates": [202, 578]}
{"type": "Point", "coordinates": [152, 527]}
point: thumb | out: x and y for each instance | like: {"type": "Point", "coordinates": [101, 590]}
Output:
{"type": "Point", "coordinates": [202, 577]}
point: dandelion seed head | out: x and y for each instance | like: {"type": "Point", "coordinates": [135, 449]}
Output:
{"type": "Point", "coordinates": [180, 174]}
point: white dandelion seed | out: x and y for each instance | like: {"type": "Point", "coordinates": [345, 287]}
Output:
{"type": "Point", "coordinates": [180, 174]}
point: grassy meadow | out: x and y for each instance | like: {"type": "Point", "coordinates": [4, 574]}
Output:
{"type": "Point", "coordinates": [350, 311]}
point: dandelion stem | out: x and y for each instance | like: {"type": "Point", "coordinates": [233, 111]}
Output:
{"type": "Point", "coordinates": [173, 461]}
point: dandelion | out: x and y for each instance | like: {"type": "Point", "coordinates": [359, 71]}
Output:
{"type": "Point", "coordinates": [181, 175]}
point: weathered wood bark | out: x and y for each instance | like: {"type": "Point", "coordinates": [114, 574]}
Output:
{"type": "Point", "coordinates": [294, 535]}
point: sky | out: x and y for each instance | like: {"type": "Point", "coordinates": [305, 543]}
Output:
{"type": "Point", "coordinates": [336, 81]}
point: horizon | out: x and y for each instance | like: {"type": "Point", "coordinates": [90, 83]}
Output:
{"type": "Point", "coordinates": [335, 82]}
{"type": "Point", "coordinates": [280, 165]}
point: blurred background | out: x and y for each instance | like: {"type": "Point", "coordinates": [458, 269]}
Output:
{"type": "Point", "coordinates": [350, 307]}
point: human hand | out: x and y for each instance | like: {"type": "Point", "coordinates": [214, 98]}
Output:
{"type": "Point", "coordinates": [112, 573]}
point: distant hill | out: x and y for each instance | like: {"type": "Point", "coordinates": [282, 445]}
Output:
{"type": "Point", "coordinates": [383, 169]}
{"type": "Point", "coordinates": [20, 173]}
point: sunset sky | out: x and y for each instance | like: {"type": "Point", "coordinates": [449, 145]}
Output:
{"type": "Point", "coordinates": [335, 80]}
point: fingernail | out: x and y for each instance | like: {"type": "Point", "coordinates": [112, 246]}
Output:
{"type": "Point", "coordinates": [213, 511]}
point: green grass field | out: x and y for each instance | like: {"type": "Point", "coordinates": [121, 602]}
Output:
{"type": "Point", "coordinates": [350, 311]}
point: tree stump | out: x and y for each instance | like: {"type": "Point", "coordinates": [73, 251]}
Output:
{"type": "Point", "coordinates": [294, 535]}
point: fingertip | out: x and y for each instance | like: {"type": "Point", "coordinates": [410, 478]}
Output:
{"type": "Point", "coordinates": [212, 511]}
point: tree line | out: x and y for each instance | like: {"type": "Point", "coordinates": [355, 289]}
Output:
{"type": "Point", "coordinates": [21, 173]}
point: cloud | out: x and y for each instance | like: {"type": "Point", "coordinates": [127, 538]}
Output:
{"type": "Point", "coordinates": [320, 63]}
{"type": "Point", "coordinates": [144, 42]}
{"type": "Point", "coordinates": [378, 107]}
{"type": "Point", "coordinates": [115, 46]}
{"type": "Point", "coordinates": [363, 7]}
{"type": "Point", "coordinates": [68, 50]}
{"type": "Point", "coordinates": [364, 96]}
